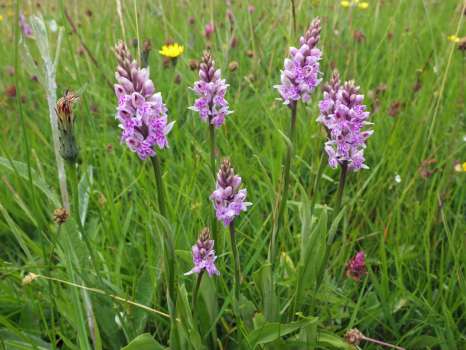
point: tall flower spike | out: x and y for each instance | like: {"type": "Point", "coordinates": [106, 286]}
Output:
{"type": "Point", "coordinates": [301, 73]}
{"type": "Point", "coordinates": [228, 199]}
{"type": "Point", "coordinates": [204, 255]}
{"type": "Point", "coordinates": [141, 111]}
{"type": "Point", "coordinates": [210, 89]}
{"type": "Point", "coordinates": [343, 115]}
{"type": "Point", "coordinates": [64, 108]}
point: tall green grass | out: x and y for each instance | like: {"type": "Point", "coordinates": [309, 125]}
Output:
{"type": "Point", "coordinates": [412, 231]}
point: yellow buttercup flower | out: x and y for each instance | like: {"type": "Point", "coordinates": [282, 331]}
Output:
{"type": "Point", "coordinates": [454, 38]}
{"type": "Point", "coordinates": [355, 3]}
{"type": "Point", "coordinates": [1, 18]}
{"type": "Point", "coordinates": [172, 50]}
{"type": "Point", "coordinates": [345, 3]}
{"type": "Point", "coordinates": [363, 5]}
{"type": "Point", "coordinates": [464, 166]}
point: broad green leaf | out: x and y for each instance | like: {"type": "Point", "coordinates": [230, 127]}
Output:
{"type": "Point", "coordinates": [144, 293]}
{"type": "Point", "coordinates": [272, 331]}
{"type": "Point", "coordinates": [263, 280]}
{"type": "Point", "coordinates": [19, 340]}
{"type": "Point", "coordinates": [335, 342]}
{"type": "Point", "coordinates": [143, 342]}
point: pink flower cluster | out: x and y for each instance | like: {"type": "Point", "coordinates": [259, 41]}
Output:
{"type": "Point", "coordinates": [141, 111]}
{"type": "Point", "coordinates": [301, 74]}
{"type": "Point", "coordinates": [356, 267]}
{"type": "Point", "coordinates": [210, 89]}
{"type": "Point", "coordinates": [343, 115]}
{"type": "Point", "coordinates": [204, 255]}
{"type": "Point", "coordinates": [228, 199]}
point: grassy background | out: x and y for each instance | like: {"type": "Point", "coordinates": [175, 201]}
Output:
{"type": "Point", "coordinates": [412, 231]}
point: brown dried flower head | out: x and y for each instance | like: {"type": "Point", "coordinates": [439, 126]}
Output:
{"type": "Point", "coordinates": [354, 336]}
{"type": "Point", "coordinates": [60, 215]}
{"type": "Point", "coordinates": [29, 278]}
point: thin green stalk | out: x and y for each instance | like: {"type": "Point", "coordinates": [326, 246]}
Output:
{"type": "Point", "coordinates": [75, 211]}
{"type": "Point", "coordinates": [196, 289]}
{"type": "Point", "coordinates": [212, 150]}
{"type": "Point", "coordinates": [320, 170]}
{"type": "Point", "coordinates": [214, 174]}
{"type": "Point", "coordinates": [341, 187]}
{"type": "Point", "coordinates": [234, 250]}
{"type": "Point", "coordinates": [160, 190]}
{"type": "Point", "coordinates": [169, 254]}
{"type": "Point", "coordinates": [286, 182]}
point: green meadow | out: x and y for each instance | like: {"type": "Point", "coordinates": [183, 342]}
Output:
{"type": "Point", "coordinates": [111, 275]}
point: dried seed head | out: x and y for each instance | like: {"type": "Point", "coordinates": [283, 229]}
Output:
{"type": "Point", "coordinates": [232, 66]}
{"type": "Point", "coordinates": [354, 336]}
{"type": "Point", "coordinates": [60, 215]}
{"type": "Point", "coordinates": [64, 109]}
{"type": "Point", "coordinates": [193, 64]}
{"type": "Point", "coordinates": [29, 278]}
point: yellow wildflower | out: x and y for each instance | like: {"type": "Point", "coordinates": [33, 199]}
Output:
{"type": "Point", "coordinates": [345, 3]}
{"type": "Point", "coordinates": [454, 38]}
{"type": "Point", "coordinates": [355, 3]}
{"type": "Point", "coordinates": [1, 18]}
{"type": "Point", "coordinates": [172, 50]}
{"type": "Point", "coordinates": [363, 5]}
{"type": "Point", "coordinates": [464, 166]}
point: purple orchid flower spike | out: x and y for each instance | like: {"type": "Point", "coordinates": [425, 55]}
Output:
{"type": "Point", "coordinates": [301, 73]}
{"type": "Point", "coordinates": [204, 255]}
{"type": "Point", "coordinates": [344, 116]}
{"type": "Point", "coordinates": [141, 111]}
{"type": "Point", "coordinates": [228, 198]}
{"type": "Point", "coordinates": [210, 89]}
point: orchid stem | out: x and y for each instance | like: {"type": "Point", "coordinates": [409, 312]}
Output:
{"type": "Point", "coordinates": [234, 249]}
{"type": "Point", "coordinates": [286, 181]}
{"type": "Point", "coordinates": [196, 289]}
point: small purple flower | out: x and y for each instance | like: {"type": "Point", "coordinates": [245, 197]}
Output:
{"type": "Point", "coordinates": [210, 89]}
{"type": "Point", "coordinates": [343, 116]}
{"type": "Point", "coordinates": [228, 198]}
{"type": "Point", "coordinates": [301, 74]}
{"type": "Point", "coordinates": [356, 267]}
{"type": "Point", "coordinates": [204, 255]}
{"type": "Point", "coordinates": [209, 30]}
{"type": "Point", "coordinates": [141, 111]}
{"type": "Point", "coordinates": [25, 27]}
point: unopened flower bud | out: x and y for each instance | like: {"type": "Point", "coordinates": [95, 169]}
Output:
{"type": "Point", "coordinates": [64, 108]}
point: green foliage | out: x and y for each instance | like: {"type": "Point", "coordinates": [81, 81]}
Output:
{"type": "Point", "coordinates": [411, 229]}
